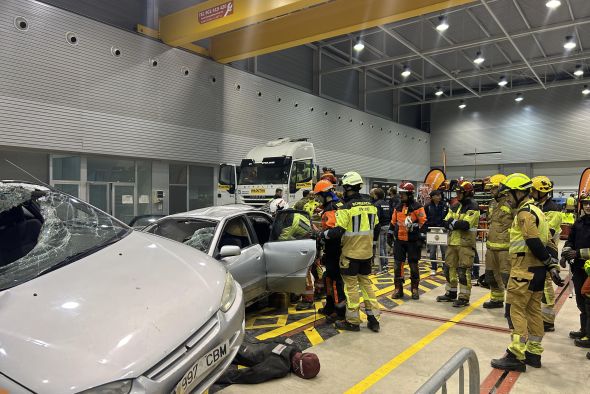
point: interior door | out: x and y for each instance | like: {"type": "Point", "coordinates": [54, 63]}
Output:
{"type": "Point", "coordinates": [289, 253]}
{"type": "Point", "coordinates": [124, 202]}
{"type": "Point", "coordinates": [99, 196]}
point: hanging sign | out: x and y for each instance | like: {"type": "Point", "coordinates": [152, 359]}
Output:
{"type": "Point", "coordinates": [217, 12]}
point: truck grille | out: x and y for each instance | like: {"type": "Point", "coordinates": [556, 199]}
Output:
{"type": "Point", "coordinates": [180, 354]}
{"type": "Point", "coordinates": [256, 200]}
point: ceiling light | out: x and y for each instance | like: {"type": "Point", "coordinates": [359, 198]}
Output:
{"type": "Point", "coordinates": [579, 71]}
{"type": "Point", "coordinates": [406, 73]}
{"type": "Point", "coordinates": [359, 46]}
{"type": "Point", "coordinates": [586, 91]}
{"type": "Point", "coordinates": [439, 92]}
{"type": "Point", "coordinates": [443, 24]}
{"type": "Point", "coordinates": [519, 97]}
{"type": "Point", "coordinates": [570, 43]}
{"type": "Point", "coordinates": [503, 81]}
{"type": "Point", "coordinates": [479, 59]}
{"type": "Point", "coordinates": [462, 105]}
{"type": "Point", "coordinates": [553, 4]}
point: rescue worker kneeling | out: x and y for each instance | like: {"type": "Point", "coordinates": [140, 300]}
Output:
{"type": "Point", "coordinates": [406, 221]}
{"type": "Point", "coordinates": [530, 262]}
{"type": "Point", "coordinates": [461, 221]}
{"type": "Point", "coordinates": [356, 225]}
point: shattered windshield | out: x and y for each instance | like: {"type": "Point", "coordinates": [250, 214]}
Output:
{"type": "Point", "coordinates": [42, 230]}
{"type": "Point", "coordinates": [197, 233]}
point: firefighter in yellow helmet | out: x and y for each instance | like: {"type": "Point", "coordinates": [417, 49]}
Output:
{"type": "Point", "coordinates": [357, 226]}
{"type": "Point", "coordinates": [569, 216]}
{"type": "Point", "coordinates": [542, 192]}
{"type": "Point", "coordinates": [499, 219]}
{"type": "Point", "coordinates": [530, 261]}
{"type": "Point", "coordinates": [461, 221]}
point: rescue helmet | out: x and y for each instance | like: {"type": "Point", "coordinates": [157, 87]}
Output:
{"type": "Point", "coordinates": [494, 181]}
{"type": "Point", "coordinates": [585, 197]}
{"type": "Point", "coordinates": [352, 178]}
{"type": "Point", "coordinates": [305, 365]}
{"type": "Point", "coordinates": [278, 204]}
{"type": "Point", "coordinates": [516, 181]}
{"type": "Point", "coordinates": [323, 186]}
{"type": "Point", "coordinates": [406, 187]}
{"type": "Point", "coordinates": [464, 187]}
{"type": "Point", "coordinates": [542, 184]}
{"type": "Point", "coordinates": [570, 203]}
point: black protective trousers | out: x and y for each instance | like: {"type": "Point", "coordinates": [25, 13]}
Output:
{"type": "Point", "coordinates": [578, 277]}
{"type": "Point", "coordinates": [334, 284]}
{"type": "Point", "coordinates": [409, 250]}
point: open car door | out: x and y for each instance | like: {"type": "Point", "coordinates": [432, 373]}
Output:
{"type": "Point", "coordinates": [290, 252]}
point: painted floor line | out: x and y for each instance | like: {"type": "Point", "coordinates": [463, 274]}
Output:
{"type": "Point", "coordinates": [398, 360]}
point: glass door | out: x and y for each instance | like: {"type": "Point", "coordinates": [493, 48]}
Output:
{"type": "Point", "coordinates": [124, 204]}
{"type": "Point", "coordinates": [99, 196]}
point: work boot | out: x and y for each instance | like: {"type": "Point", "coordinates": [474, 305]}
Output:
{"type": "Point", "coordinates": [509, 363]}
{"type": "Point", "coordinates": [326, 311]}
{"type": "Point", "coordinates": [347, 326]}
{"type": "Point", "coordinates": [493, 304]}
{"type": "Point", "coordinates": [460, 302]}
{"type": "Point", "coordinates": [588, 355]}
{"type": "Point", "coordinates": [534, 360]}
{"type": "Point", "coordinates": [449, 296]}
{"type": "Point", "coordinates": [548, 327]}
{"type": "Point", "coordinates": [398, 293]}
{"type": "Point", "coordinates": [577, 334]}
{"type": "Point", "coordinates": [415, 294]}
{"type": "Point", "coordinates": [582, 342]}
{"type": "Point", "coordinates": [373, 323]}
{"type": "Point", "coordinates": [304, 305]}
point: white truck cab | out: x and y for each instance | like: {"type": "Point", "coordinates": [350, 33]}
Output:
{"type": "Point", "coordinates": [287, 164]}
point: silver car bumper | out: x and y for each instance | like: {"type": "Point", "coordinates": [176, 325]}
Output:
{"type": "Point", "coordinates": [229, 326]}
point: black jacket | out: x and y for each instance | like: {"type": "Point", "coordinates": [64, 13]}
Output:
{"type": "Point", "coordinates": [384, 212]}
{"type": "Point", "coordinates": [435, 214]}
{"type": "Point", "coordinates": [579, 237]}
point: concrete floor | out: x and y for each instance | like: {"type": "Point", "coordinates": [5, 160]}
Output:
{"type": "Point", "coordinates": [409, 349]}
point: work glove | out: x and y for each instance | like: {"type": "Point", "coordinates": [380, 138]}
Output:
{"type": "Point", "coordinates": [413, 227]}
{"type": "Point", "coordinates": [563, 262]}
{"type": "Point", "coordinates": [569, 253]}
{"type": "Point", "coordinates": [408, 222]}
{"type": "Point", "coordinates": [554, 273]}
{"type": "Point", "coordinates": [450, 224]}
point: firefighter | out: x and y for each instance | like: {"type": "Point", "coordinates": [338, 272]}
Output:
{"type": "Point", "coordinates": [357, 227]}
{"type": "Point", "coordinates": [577, 250]}
{"type": "Point", "coordinates": [542, 193]}
{"type": "Point", "coordinates": [404, 233]}
{"type": "Point", "coordinates": [324, 191]}
{"type": "Point", "coordinates": [529, 262]}
{"type": "Point", "coordinates": [500, 219]}
{"type": "Point", "coordinates": [461, 221]}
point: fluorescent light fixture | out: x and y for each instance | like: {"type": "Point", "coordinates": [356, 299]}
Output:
{"type": "Point", "coordinates": [359, 46]}
{"type": "Point", "coordinates": [479, 59]}
{"type": "Point", "coordinates": [462, 104]}
{"type": "Point", "coordinates": [406, 73]}
{"type": "Point", "coordinates": [439, 92]}
{"type": "Point", "coordinates": [570, 43]}
{"type": "Point", "coordinates": [579, 71]}
{"type": "Point", "coordinates": [519, 97]}
{"type": "Point", "coordinates": [586, 91]}
{"type": "Point", "coordinates": [503, 81]}
{"type": "Point", "coordinates": [553, 4]}
{"type": "Point", "coordinates": [443, 24]}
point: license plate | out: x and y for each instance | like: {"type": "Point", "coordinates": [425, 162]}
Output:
{"type": "Point", "coordinates": [257, 191]}
{"type": "Point", "coordinates": [205, 363]}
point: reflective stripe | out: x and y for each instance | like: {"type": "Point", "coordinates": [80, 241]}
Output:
{"type": "Point", "coordinates": [517, 241]}
{"type": "Point", "coordinates": [585, 253]}
{"type": "Point", "coordinates": [356, 233]}
{"type": "Point", "coordinates": [548, 311]}
{"type": "Point", "coordinates": [505, 209]}
{"type": "Point", "coordinates": [498, 245]}
{"type": "Point", "coordinates": [533, 338]}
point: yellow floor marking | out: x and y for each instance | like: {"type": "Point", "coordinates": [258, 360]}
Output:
{"type": "Point", "coordinates": [407, 292]}
{"type": "Point", "coordinates": [423, 288]}
{"type": "Point", "coordinates": [281, 321]}
{"type": "Point", "coordinates": [314, 336]}
{"type": "Point", "coordinates": [398, 360]}
{"type": "Point", "coordinates": [289, 327]}
{"type": "Point", "coordinates": [432, 282]}
{"type": "Point", "coordinates": [399, 302]}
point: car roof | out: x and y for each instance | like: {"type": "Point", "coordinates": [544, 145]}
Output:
{"type": "Point", "coordinates": [217, 213]}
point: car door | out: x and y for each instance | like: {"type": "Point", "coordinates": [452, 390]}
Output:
{"type": "Point", "coordinates": [289, 254]}
{"type": "Point", "coordinates": [248, 268]}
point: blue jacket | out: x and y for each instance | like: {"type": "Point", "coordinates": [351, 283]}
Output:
{"type": "Point", "coordinates": [435, 214]}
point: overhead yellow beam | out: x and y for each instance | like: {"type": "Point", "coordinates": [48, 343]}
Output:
{"type": "Point", "coordinates": [331, 19]}
{"type": "Point", "coordinates": [205, 20]}
{"type": "Point", "coordinates": [148, 31]}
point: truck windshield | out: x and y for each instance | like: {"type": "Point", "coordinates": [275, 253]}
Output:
{"type": "Point", "coordinates": [263, 174]}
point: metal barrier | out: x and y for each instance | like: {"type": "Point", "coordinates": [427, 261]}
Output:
{"type": "Point", "coordinates": [439, 379]}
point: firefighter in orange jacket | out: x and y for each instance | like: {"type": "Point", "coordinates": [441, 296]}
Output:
{"type": "Point", "coordinates": [406, 221]}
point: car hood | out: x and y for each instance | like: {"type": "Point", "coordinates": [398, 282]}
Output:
{"type": "Point", "coordinates": [109, 316]}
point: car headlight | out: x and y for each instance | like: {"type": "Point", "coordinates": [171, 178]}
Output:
{"type": "Point", "coordinates": [229, 293]}
{"type": "Point", "coordinates": [118, 387]}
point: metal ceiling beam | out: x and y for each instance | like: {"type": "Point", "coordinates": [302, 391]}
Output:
{"type": "Point", "coordinates": [523, 57]}
{"type": "Point", "coordinates": [558, 84]}
{"type": "Point", "coordinates": [488, 35]}
{"type": "Point", "coordinates": [432, 62]}
{"type": "Point", "coordinates": [469, 44]}
{"type": "Point", "coordinates": [500, 70]}
{"type": "Point", "coordinates": [185, 26]}
{"type": "Point", "coordinates": [571, 11]}
{"type": "Point", "coordinates": [330, 19]}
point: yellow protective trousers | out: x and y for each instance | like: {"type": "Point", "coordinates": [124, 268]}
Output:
{"type": "Point", "coordinates": [497, 272]}
{"type": "Point", "coordinates": [457, 270]}
{"type": "Point", "coordinates": [548, 301]}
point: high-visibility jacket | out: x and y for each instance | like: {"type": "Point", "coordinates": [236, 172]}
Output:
{"type": "Point", "coordinates": [357, 223]}
{"type": "Point", "coordinates": [299, 228]}
{"type": "Point", "coordinates": [500, 217]}
{"type": "Point", "coordinates": [468, 212]}
{"type": "Point", "coordinates": [310, 207]}
{"type": "Point", "coordinates": [517, 237]}
{"type": "Point", "coordinates": [398, 220]}
{"type": "Point", "coordinates": [568, 217]}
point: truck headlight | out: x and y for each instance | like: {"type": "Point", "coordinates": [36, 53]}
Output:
{"type": "Point", "coordinates": [118, 387]}
{"type": "Point", "coordinates": [229, 293]}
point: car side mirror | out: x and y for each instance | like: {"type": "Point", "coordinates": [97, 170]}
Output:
{"type": "Point", "coordinates": [229, 250]}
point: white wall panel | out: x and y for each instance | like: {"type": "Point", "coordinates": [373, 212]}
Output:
{"type": "Point", "coordinates": [59, 97]}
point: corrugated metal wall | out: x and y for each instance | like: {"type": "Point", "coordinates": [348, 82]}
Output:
{"type": "Point", "coordinates": [80, 98]}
